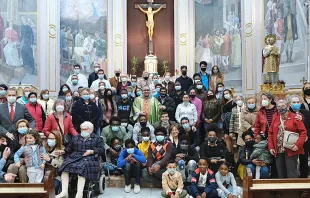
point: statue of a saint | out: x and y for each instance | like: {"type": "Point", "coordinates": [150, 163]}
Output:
{"type": "Point", "coordinates": [271, 59]}
{"type": "Point", "coordinates": [150, 18]}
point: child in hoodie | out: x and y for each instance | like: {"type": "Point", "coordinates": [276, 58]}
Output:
{"type": "Point", "coordinates": [261, 153]}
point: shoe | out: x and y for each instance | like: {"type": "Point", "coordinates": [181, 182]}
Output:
{"type": "Point", "coordinates": [136, 189]}
{"type": "Point", "coordinates": [62, 195]}
{"type": "Point", "coordinates": [127, 189]}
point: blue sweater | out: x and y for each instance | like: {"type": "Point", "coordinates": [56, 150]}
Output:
{"type": "Point", "coordinates": [2, 163]}
{"type": "Point", "coordinates": [138, 155]}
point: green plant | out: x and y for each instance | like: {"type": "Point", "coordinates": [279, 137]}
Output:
{"type": "Point", "coordinates": [165, 67]}
{"type": "Point", "coordinates": [134, 64]}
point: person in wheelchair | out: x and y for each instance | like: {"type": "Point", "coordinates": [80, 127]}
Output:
{"type": "Point", "coordinates": [131, 160]}
{"type": "Point", "coordinates": [81, 159]}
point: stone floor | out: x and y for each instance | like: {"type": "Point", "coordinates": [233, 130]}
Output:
{"type": "Point", "coordinates": [119, 193]}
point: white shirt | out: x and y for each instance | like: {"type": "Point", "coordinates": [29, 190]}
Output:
{"type": "Point", "coordinates": [74, 87]}
{"type": "Point", "coordinates": [188, 111]}
{"type": "Point", "coordinates": [9, 106]}
{"type": "Point", "coordinates": [95, 84]}
{"type": "Point", "coordinates": [83, 82]}
{"type": "Point", "coordinates": [202, 180]}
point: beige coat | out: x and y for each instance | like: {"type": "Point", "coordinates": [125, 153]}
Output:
{"type": "Point", "coordinates": [247, 122]}
{"type": "Point", "coordinates": [47, 106]}
{"type": "Point", "coordinates": [214, 80]}
{"type": "Point", "coordinates": [172, 183]}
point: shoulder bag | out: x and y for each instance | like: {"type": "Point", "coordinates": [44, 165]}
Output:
{"type": "Point", "coordinates": [290, 138]}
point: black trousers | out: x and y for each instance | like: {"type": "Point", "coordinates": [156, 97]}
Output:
{"type": "Point", "coordinates": [303, 161]}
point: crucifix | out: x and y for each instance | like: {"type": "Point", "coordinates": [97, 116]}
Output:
{"type": "Point", "coordinates": [150, 18]}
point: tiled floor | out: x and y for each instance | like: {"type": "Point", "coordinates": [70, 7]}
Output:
{"type": "Point", "coordinates": [119, 193]}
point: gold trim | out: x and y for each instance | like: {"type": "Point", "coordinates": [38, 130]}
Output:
{"type": "Point", "coordinates": [248, 26]}
{"type": "Point", "coordinates": [183, 39]}
{"type": "Point", "coordinates": [118, 40]}
{"type": "Point", "coordinates": [52, 28]}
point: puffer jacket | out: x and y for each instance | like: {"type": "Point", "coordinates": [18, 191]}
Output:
{"type": "Point", "coordinates": [261, 152]}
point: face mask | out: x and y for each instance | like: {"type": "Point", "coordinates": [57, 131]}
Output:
{"type": "Point", "coordinates": [178, 88]}
{"type": "Point", "coordinates": [115, 128]}
{"type": "Point", "coordinates": [199, 86]}
{"type": "Point", "coordinates": [84, 134]}
{"type": "Point", "coordinates": [251, 106]}
{"type": "Point", "coordinates": [51, 143]}
{"type": "Point", "coordinates": [192, 96]}
{"type": "Point", "coordinates": [124, 96]}
{"type": "Point", "coordinates": [2, 92]}
{"type": "Point", "coordinates": [91, 96]}
{"type": "Point", "coordinates": [113, 92]}
{"type": "Point", "coordinates": [265, 103]}
{"type": "Point", "coordinates": [155, 80]}
{"type": "Point", "coordinates": [145, 139]}
{"type": "Point", "coordinates": [282, 110]}
{"type": "Point", "coordinates": [129, 93]}
{"type": "Point", "coordinates": [117, 147]}
{"type": "Point", "coordinates": [249, 143]}
{"type": "Point", "coordinates": [165, 122]}
{"type": "Point", "coordinates": [124, 79]}
{"type": "Point", "coordinates": [157, 89]}
{"type": "Point", "coordinates": [296, 106]}
{"type": "Point", "coordinates": [184, 147]}
{"type": "Point", "coordinates": [76, 98]}
{"type": "Point", "coordinates": [101, 76]}
{"type": "Point", "coordinates": [220, 89]}
{"type": "Point", "coordinates": [45, 96]}
{"type": "Point", "coordinates": [65, 89]}
{"type": "Point", "coordinates": [163, 95]}
{"type": "Point", "coordinates": [184, 73]}
{"type": "Point", "coordinates": [131, 150]}
{"type": "Point", "coordinates": [75, 82]}
{"type": "Point", "coordinates": [96, 69]}
{"type": "Point", "coordinates": [27, 94]}
{"type": "Point", "coordinates": [117, 74]}
{"type": "Point", "coordinates": [185, 126]}
{"type": "Point", "coordinates": [85, 97]}
{"type": "Point", "coordinates": [33, 100]}
{"type": "Point", "coordinates": [133, 84]}
{"type": "Point", "coordinates": [167, 78]}
{"type": "Point", "coordinates": [307, 92]}
{"type": "Point", "coordinates": [203, 69]}
{"type": "Point", "coordinates": [145, 77]}
{"type": "Point", "coordinates": [22, 130]}
{"type": "Point", "coordinates": [215, 71]}
{"type": "Point", "coordinates": [60, 108]}
{"type": "Point", "coordinates": [227, 96]}
{"type": "Point", "coordinates": [210, 97]}
{"type": "Point", "coordinates": [212, 139]}
{"type": "Point", "coordinates": [68, 98]}
{"type": "Point", "coordinates": [139, 93]}
{"type": "Point", "coordinates": [171, 171]}
{"type": "Point", "coordinates": [186, 103]}
{"type": "Point", "coordinates": [101, 87]}
{"type": "Point", "coordinates": [143, 124]}
{"type": "Point", "coordinates": [2, 147]}
{"type": "Point", "coordinates": [11, 99]}
{"type": "Point", "coordinates": [239, 103]}
{"type": "Point", "coordinates": [160, 138]}
{"type": "Point", "coordinates": [196, 81]}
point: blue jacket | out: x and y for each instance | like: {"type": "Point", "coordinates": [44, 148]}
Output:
{"type": "Point", "coordinates": [138, 155]}
{"type": "Point", "coordinates": [205, 80]}
{"type": "Point", "coordinates": [2, 163]}
{"type": "Point", "coordinates": [210, 185]}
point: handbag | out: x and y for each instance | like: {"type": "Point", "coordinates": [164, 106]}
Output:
{"type": "Point", "coordinates": [290, 137]}
{"type": "Point", "coordinates": [66, 139]}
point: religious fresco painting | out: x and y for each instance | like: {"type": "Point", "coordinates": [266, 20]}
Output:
{"type": "Point", "coordinates": [18, 40]}
{"type": "Point", "coordinates": [83, 35]}
{"type": "Point", "coordinates": [288, 20]}
{"type": "Point", "coordinates": [218, 38]}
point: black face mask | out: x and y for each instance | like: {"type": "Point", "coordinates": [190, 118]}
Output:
{"type": "Point", "coordinates": [203, 69]}
{"type": "Point", "coordinates": [145, 78]}
{"type": "Point", "coordinates": [212, 139]}
{"type": "Point", "coordinates": [192, 96]}
{"type": "Point", "coordinates": [210, 97]}
{"type": "Point", "coordinates": [184, 147]}
{"type": "Point", "coordinates": [249, 143]}
{"type": "Point", "coordinates": [117, 74]}
{"type": "Point", "coordinates": [184, 73]}
{"type": "Point", "coordinates": [307, 92]}
{"type": "Point", "coordinates": [162, 95]}
{"type": "Point", "coordinates": [76, 98]}
{"type": "Point", "coordinates": [143, 124]}
{"type": "Point", "coordinates": [109, 96]}
{"type": "Point", "coordinates": [2, 147]}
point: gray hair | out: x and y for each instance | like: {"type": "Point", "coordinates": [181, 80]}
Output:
{"type": "Point", "coordinates": [295, 96]}
{"type": "Point", "coordinates": [84, 89]}
{"type": "Point", "coordinates": [238, 95]}
{"type": "Point", "coordinates": [59, 100]}
{"type": "Point", "coordinates": [282, 101]}
{"type": "Point", "coordinates": [88, 124]}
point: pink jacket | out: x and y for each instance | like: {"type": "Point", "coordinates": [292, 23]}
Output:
{"type": "Point", "coordinates": [198, 104]}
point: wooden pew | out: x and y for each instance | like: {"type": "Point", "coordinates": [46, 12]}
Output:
{"type": "Point", "coordinates": [26, 190]}
{"type": "Point", "coordinates": [268, 188]}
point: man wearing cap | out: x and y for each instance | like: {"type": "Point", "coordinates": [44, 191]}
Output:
{"type": "Point", "coordinates": [184, 80]}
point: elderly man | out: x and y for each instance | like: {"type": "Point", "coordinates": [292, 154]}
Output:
{"type": "Point", "coordinates": [75, 83]}
{"type": "Point", "coordinates": [147, 105]}
{"type": "Point", "coordinates": [94, 76]}
{"type": "Point", "coordinates": [82, 78]}
{"type": "Point", "coordinates": [115, 79]}
{"type": "Point", "coordinates": [95, 84]}
{"type": "Point", "coordinates": [24, 99]}
{"type": "Point", "coordinates": [123, 84]}
{"type": "Point", "coordinates": [145, 81]}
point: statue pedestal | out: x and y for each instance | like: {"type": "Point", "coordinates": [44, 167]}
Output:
{"type": "Point", "coordinates": [150, 64]}
{"type": "Point", "coordinates": [277, 89]}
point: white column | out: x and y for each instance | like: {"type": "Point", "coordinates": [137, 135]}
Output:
{"type": "Point", "coordinates": [117, 36]}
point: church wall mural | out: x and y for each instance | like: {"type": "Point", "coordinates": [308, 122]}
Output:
{"type": "Point", "coordinates": [83, 35]}
{"type": "Point", "coordinates": [218, 38]}
{"type": "Point", "coordinates": [288, 20]}
{"type": "Point", "coordinates": [18, 41]}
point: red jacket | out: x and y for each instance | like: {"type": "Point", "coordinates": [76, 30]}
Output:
{"type": "Point", "coordinates": [260, 122]}
{"type": "Point", "coordinates": [291, 124]}
{"type": "Point", "coordinates": [37, 113]}
{"type": "Point", "coordinates": [51, 124]}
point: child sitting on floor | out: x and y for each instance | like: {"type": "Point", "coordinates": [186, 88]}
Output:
{"type": "Point", "coordinates": [110, 166]}
{"type": "Point", "coordinates": [172, 182]}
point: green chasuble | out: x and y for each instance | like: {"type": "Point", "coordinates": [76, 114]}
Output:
{"type": "Point", "coordinates": [154, 109]}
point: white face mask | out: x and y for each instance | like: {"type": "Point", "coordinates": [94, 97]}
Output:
{"type": "Point", "coordinates": [91, 96]}
{"type": "Point", "coordinates": [239, 103]}
{"type": "Point", "coordinates": [167, 78]}
{"type": "Point", "coordinates": [27, 94]}
{"type": "Point", "coordinates": [265, 103]}
{"type": "Point", "coordinates": [124, 79]}
{"type": "Point", "coordinates": [60, 108]}
{"type": "Point", "coordinates": [11, 99]}
{"type": "Point", "coordinates": [96, 69]}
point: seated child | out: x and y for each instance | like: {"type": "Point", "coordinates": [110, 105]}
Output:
{"type": "Point", "coordinates": [131, 160]}
{"type": "Point", "coordinates": [203, 183]}
{"type": "Point", "coordinates": [110, 166]}
{"type": "Point", "coordinates": [261, 153]}
{"type": "Point", "coordinates": [145, 144]}
{"type": "Point", "coordinates": [186, 158]}
{"type": "Point", "coordinates": [32, 152]}
{"type": "Point", "coordinates": [172, 182]}
{"type": "Point", "coordinates": [227, 186]}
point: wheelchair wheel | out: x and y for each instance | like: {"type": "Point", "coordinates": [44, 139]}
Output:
{"type": "Point", "coordinates": [102, 184]}
{"type": "Point", "coordinates": [90, 194]}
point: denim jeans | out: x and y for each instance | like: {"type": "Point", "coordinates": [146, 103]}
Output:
{"type": "Point", "coordinates": [153, 178]}
{"type": "Point", "coordinates": [57, 186]}
{"type": "Point", "coordinates": [264, 171]}
{"type": "Point", "coordinates": [132, 170]}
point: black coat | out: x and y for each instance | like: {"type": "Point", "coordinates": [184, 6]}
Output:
{"type": "Point", "coordinates": [92, 77]}
{"type": "Point", "coordinates": [82, 112]}
{"type": "Point", "coordinates": [76, 163]}
{"type": "Point", "coordinates": [191, 154]}
{"type": "Point", "coordinates": [170, 106]}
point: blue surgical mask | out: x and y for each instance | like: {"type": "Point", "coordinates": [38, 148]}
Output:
{"type": "Point", "coordinates": [186, 103]}
{"type": "Point", "coordinates": [33, 100]}
{"type": "Point", "coordinates": [22, 130]}
{"type": "Point", "coordinates": [45, 96]}
{"type": "Point", "coordinates": [155, 80]}
{"type": "Point", "coordinates": [199, 86]}
{"type": "Point", "coordinates": [251, 106]}
{"type": "Point", "coordinates": [160, 138]}
{"type": "Point", "coordinates": [2, 92]}
{"type": "Point", "coordinates": [145, 139]}
{"type": "Point", "coordinates": [115, 128]}
{"type": "Point", "coordinates": [133, 84]}
{"type": "Point", "coordinates": [129, 93]}
{"type": "Point", "coordinates": [85, 97]}
{"type": "Point", "coordinates": [178, 88]}
{"type": "Point", "coordinates": [131, 150]}
{"type": "Point", "coordinates": [186, 126]}
{"type": "Point", "coordinates": [124, 96]}
{"type": "Point", "coordinates": [157, 90]}
{"type": "Point", "coordinates": [65, 89]}
{"type": "Point", "coordinates": [84, 134]}
{"type": "Point", "coordinates": [51, 143]}
{"type": "Point", "coordinates": [100, 76]}
{"type": "Point", "coordinates": [68, 98]}
{"type": "Point", "coordinates": [75, 82]}
{"type": "Point", "coordinates": [139, 93]}
{"type": "Point", "coordinates": [296, 106]}
{"type": "Point", "coordinates": [76, 71]}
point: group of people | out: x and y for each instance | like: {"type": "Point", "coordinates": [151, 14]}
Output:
{"type": "Point", "coordinates": [182, 135]}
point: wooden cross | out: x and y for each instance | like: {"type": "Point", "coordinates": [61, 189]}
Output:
{"type": "Point", "coordinates": [303, 80]}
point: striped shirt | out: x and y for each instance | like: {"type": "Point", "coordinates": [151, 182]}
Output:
{"type": "Point", "coordinates": [269, 114]}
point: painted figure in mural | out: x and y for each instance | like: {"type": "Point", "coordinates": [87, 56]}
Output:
{"type": "Point", "coordinates": [206, 44]}
{"type": "Point", "coordinates": [34, 31]}
{"type": "Point", "coordinates": [270, 17]}
{"type": "Point", "coordinates": [63, 42]}
{"type": "Point", "coordinates": [226, 49]}
{"type": "Point", "coordinates": [279, 32]}
{"type": "Point", "coordinates": [10, 49]}
{"type": "Point", "coordinates": [27, 40]}
{"type": "Point", "coordinates": [271, 58]}
{"type": "Point", "coordinates": [95, 13]}
{"type": "Point", "coordinates": [1, 34]}
{"type": "Point", "coordinates": [290, 28]}
{"type": "Point", "coordinates": [100, 46]}
{"type": "Point", "coordinates": [199, 50]}
{"type": "Point", "coordinates": [69, 37]}
{"type": "Point", "coordinates": [79, 39]}
{"type": "Point", "coordinates": [88, 44]}
{"type": "Point", "coordinates": [236, 60]}
{"type": "Point", "coordinates": [216, 48]}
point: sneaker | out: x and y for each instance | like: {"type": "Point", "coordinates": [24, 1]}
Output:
{"type": "Point", "coordinates": [136, 189]}
{"type": "Point", "coordinates": [62, 195]}
{"type": "Point", "coordinates": [127, 188]}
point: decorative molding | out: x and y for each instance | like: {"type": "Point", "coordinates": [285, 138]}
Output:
{"type": "Point", "coordinates": [248, 29]}
{"type": "Point", "coordinates": [52, 31]}
{"type": "Point", "coordinates": [183, 39]}
{"type": "Point", "coordinates": [118, 41]}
